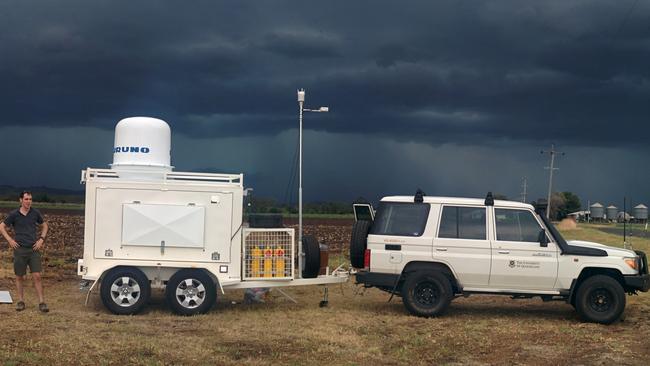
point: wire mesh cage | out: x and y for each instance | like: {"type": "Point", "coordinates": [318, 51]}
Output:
{"type": "Point", "coordinates": [268, 254]}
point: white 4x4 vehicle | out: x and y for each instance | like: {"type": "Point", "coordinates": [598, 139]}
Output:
{"type": "Point", "coordinates": [430, 249]}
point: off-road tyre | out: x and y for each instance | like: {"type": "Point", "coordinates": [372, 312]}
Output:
{"type": "Point", "coordinates": [190, 292]}
{"type": "Point", "coordinates": [125, 290]}
{"type": "Point", "coordinates": [359, 242]}
{"type": "Point", "coordinates": [426, 293]}
{"type": "Point", "coordinates": [600, 299]}
{"type": "Point", "coordinates": [311, 248]}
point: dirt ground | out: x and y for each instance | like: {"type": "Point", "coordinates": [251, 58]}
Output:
{"type": "Point", "coordinates": [359, 326]}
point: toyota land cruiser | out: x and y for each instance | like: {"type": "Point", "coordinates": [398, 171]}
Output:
{"type": "Point", "coordinates": [430, 249]}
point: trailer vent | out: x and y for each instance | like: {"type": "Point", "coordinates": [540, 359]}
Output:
{"type": "Point", "coordinates": [268, 254]}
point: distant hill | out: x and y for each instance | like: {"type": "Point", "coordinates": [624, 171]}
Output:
{"type": "Point", "coordinates": [42, 194]}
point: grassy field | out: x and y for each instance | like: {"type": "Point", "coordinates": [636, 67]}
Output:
{"type": "Point", "coordinates": [359, 327]}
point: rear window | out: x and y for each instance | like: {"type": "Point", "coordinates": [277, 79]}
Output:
{"type": "Point", "coordinates": [401, 219]}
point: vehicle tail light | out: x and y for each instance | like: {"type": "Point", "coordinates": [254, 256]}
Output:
{"type": "Point", "coordinates": [366, 258]}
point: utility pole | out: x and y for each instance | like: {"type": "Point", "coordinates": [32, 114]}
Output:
{"type": "Point", "coordinates": [551, 168]}
{"type": "Point", "coordinates": [524, 186]}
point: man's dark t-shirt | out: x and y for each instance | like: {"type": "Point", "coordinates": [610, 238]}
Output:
{"type": "Point", "coordinates": [24, 226]}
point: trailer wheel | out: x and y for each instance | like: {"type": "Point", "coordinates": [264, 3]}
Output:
{"type": "Point", "coordinates": [190, 292]}
{"type": "Point", "coordinates": [359, 242]}
{"type": "Point", "coordinates": [125, 290]}
{"type": "Point", "coordinates": [312, 256]}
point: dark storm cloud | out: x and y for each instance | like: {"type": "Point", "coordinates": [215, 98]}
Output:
{"type": "Point", "coordinates": [434, 72]}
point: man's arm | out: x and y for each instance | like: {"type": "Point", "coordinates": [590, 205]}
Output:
{"type": "Point", "coordinates": [3, 231]}
{"type": "Point", "coordinates": [39, 243]}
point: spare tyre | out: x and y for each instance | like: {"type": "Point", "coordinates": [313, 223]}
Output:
{"type": "Point", "coordinates": [359, 242]}
{"type": "Point", "coordinates": [311, 248]}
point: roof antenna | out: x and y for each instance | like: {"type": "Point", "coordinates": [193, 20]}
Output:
{"type": "Point", "coordinates": [489, 200]}
{"type": "Point", "coordinates": [419, 196]}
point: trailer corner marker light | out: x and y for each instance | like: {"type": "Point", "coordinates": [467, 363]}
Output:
{"type": "Point", "coordinates": [223, 269]}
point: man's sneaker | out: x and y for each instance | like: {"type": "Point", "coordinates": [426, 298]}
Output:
{"type": "Point", "coordinates": [20, 306]}
{"type": "Point", "coordinates": [43, 307]}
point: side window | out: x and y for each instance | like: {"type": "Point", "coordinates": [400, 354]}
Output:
{"type": "Point", "coordinates": [462, 223]}
{"type": "Point", "coordinates": [516, 225]}
{"type": "Point", "coordinates": [401, 218]}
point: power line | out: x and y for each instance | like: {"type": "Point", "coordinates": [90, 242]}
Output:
{"type": "Point", "coordinates": [625, 19]}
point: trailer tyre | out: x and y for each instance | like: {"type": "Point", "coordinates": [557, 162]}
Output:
{"type": "Point", "coordinates": [359, 242]}
{"type": "Point", "coordinates": [125, 290]}
{"type": "Point", "coordinates": [600, 299]}
{"type": "Point", "coordinates": [312, 256]}
{"type": "Point", "coordinates": [190, 292]}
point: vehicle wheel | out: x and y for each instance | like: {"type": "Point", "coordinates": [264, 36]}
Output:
{"type": "Point", "coordinates": [359, 242]}
{"type": "Point", "coordinates": [312, 256]}
{"type": "Point", "coordinates": [125, 290]}
{"type": "Point", "coordinates": [600, 299]}
{"type": "Point", "coordinates": [426, 294]}
{"type": "Point", "coordinates": [190, 292]}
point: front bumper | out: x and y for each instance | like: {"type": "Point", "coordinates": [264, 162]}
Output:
{"type": "Point", "coordinates": [638, 282]}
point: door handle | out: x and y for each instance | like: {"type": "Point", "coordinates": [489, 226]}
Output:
{"type": "Point", "coordinates": [504, 252]}
{"type": "Point", "coordinates": [441, 249]}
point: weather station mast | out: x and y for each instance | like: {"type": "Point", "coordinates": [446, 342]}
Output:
{"type": "Point", "coordinates": [301, 102]}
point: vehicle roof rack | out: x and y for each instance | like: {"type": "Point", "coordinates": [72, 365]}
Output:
{"type": "Point", "coordinates": [419, 196]}
{"type": "Point", "coordinates": [489, 200]}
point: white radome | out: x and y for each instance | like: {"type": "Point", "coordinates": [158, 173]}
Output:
{"type": "Point", "coordinates": [142, 149]}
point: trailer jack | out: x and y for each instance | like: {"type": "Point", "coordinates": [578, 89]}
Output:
{"type": "Point", "coordinates": [325, 301]}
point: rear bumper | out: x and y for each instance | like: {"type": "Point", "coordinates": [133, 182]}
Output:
{"type": "Point", "coordinates": [370, 279]}
{"type": "Point", "coordinates": [639, 282]}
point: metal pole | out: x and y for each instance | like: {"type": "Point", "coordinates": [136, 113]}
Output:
{"type": "Point", "coordinates": [301, 100]}
{"type": "Point", "coordinates": [624, 222]}
{"type": "Point", "coordinates": [550, 184]}
{"type": "Point", "coordinates": [550, 178]}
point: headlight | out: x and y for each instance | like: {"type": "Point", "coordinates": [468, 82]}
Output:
{"type": "Point", "coordinates": [631, 262]}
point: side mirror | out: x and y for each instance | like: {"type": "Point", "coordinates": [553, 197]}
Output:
{"type": "Point", "coordinates": [543, 239]}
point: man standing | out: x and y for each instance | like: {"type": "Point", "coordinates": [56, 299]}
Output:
{"type": "Point", "coordinates": [26, 246]}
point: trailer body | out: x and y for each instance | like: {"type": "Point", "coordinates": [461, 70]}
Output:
{"type": "Point", "coordinates": [179, 224]}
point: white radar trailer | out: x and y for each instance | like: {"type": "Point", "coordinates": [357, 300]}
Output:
{"type": "Point", "coordinates": [147, 226]}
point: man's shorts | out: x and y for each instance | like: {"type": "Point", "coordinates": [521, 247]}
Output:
{"type": "Point", "coordinates": [26, 257]}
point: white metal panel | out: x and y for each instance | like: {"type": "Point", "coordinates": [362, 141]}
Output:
{"type": "Point", "coordinates": [221, 239]}
{"type": "Point", "coordinates": [5, 297]}
{"type": "Point", "coordinates": [154, 224]}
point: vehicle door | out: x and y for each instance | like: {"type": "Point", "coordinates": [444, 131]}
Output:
{"type": "Point", "coordinates": [397, 233]}
{"type": "Point", "coordinates": [462, 243]}
{"type": "Point", "coordinates": [519, 259]}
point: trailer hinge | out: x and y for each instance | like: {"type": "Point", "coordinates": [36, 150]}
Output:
{"type": "Point", "coordinates": [162, 247]}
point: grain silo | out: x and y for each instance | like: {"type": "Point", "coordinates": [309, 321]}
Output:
{"type": "Point", "coordinates": [641, 213]}
{"type": "Point", "coordinates": [612, 211]}
{"type": "Point", "coordinates": [597, 211]}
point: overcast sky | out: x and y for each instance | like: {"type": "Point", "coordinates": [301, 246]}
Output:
{"type": "Point", "coordinates": [454, 97]}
